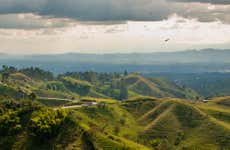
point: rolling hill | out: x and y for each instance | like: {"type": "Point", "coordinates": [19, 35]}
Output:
{"type": "Point", "coordinates": [183, 125]}
{"type": "Point", "coordinates": [82, 111]}
{"type": "Point", "coordinates": [91, 84]}
{"type": "Point", "coordinates": [140, 123]}
{"type": "Point", "coordinates": [157, 87]}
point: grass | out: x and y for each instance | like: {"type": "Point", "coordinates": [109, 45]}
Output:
{"type": "Point", "coordinates": [138, 123]}
{"type": "Point", "coordinates": [142, 122]}
{"type": "Point", "coordinates": [184, 125]}
{"type": "Point", "coordinates": [224, 101]}
{"type": "Point", "coordinates": [156, 87]}
{"type": "Point", "coordinates": [53, 103]}
{"type": "Point", "coordinates": [114, 121]}
{"type": "Point", "coordinates": [54, 94]}
{"type": "Point", "coordinates": [138, 106]}
{"type": "Point", "coordinates": [217, 109]}
{"type": "Point", "coordinates": [176, 123]}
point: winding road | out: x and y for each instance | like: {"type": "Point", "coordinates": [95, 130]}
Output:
{"type": "Point", "coordinates": [69, 100]}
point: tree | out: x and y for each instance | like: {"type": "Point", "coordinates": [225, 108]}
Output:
{"type": "Point", "coordinates": [46, 123]}
{"type": "Point", "coordinates": [123, 90]}
{"type": "Point", "coordinates": [90, 76]}
{"type": "Point", "coordinates": [125, 73]}
{"type": "Point", "coordinates": [4, 67]}
{"type": "Point", "coordinates": [5, 77]}
{"type": "Point", "coordinates": [21, 94]}
{"type": "Point", "coordinates": [32, 96]}
{"type": "Point", "coordinates": [197, 97]}
{"type": "Point", "coordinates": [10, 69]}
{"type": "Point", "coordinates": [9, 123]}
{"type": "Point", "coordinates": [101, 105]}
{"type": "Point", "coordinates": [77, 86]}
{"type": "Point", "coordinates": [161, 144]}
{"type": "Point", "coordinates": [38, 74]}
{"type": "Point", "coordinates": [116, 130]}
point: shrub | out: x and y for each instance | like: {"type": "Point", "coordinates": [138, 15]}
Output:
{"type": "Point", "coordinates": [188, 116]}
{"type": "Point", "coordinates": [160, 144]}
{"type": "Point", "coordinates": [78, 86]}
{"type": "Point", "coordinates": [116, 130]}
{"type": "Point", "coordinates": [122, 121]}
{"type": "Point", "coordinates": [46, 123]}
{"type": "Point", "coordinates": [9, 123]}
{"type": "Point", "coordinates": [179, 137]}
{"type": "Point", "coordinates": [155, 142]}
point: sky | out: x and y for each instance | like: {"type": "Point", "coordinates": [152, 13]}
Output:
{"type": "Point", "coordinates": [112, 26]}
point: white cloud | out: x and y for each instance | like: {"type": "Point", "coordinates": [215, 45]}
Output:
{"type": "Point", "coordinates": [52, 26]}
{"type": "Point", "coordinates": [131, 37]}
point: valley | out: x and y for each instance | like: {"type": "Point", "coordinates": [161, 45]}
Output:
{"type": "Point", "coordinates": [89, 110]}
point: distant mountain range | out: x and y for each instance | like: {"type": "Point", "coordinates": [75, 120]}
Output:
{"type": "Point", "coordinates": [206, 60]}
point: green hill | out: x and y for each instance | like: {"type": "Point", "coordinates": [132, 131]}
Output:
{"type": "Point", "coordinates": [157, 87]}
{"type": "Point", "coordinates": [98, 85]}
{"type": "Point", "coordinates": [140, 123]}
{"type": "Point", "coordinates": [82, 111]}
{"type": "Point", "coordinates": [224, 101]}
{"type": "Point", "coordinates": [179, 124]}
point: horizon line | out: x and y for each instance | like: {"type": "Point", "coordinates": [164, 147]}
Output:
{"type": "Point", "coordinates": [111, 53]}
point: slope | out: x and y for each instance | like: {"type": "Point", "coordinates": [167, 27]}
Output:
{"type": "Point", "coordinates": [178, 124]}
{"type": "Point", "coordinates": [157, 87]}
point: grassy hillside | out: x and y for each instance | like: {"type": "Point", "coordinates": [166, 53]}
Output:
{"type": "Point", "coordinates": [157, 87]}
{"type": "Point", "coordinates": [82, 111]}
{"type": "Point", "coordinates": [207, 84]}
{"type": "Point", "coordinates": [224, 101]}
{"type": "Point", "coordinates": [180, 125]}
{"type": "Point", "coordinates": [98, 85]}
{"type": "Point", "coordinates": [32, 126]}
{"type": "Point", "coordinates": [139, 123]}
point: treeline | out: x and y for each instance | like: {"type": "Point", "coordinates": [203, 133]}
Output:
{"type": "Point", "coordinates": [32, 72]}
{"type": "Point", "coordinates": [109, 84]}
{"type": "Point", "coordinates": [11, 89]}
{"type": "Point", "coordinates": [87, 83]}
{"type": "Point", "coordinates": [40, 74]}
{"type": "Point", "coordinates": [94, 77]}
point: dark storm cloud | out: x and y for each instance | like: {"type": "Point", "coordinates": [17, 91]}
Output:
{"type": "Point", "coordinates": [30, 21]}
{"type": "Point", "coordinates": [91, 10]}
{"type": "Point", "coordinates": [221, 2]}
{"type": "Point", "coordinates": [114, 10]}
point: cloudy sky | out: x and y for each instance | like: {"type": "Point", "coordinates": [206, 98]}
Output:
{"type": "Point", "coordinates": [108, 26]}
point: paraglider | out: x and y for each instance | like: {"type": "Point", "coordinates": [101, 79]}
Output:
{"type": "Point", "coordinates": [166, 40]}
